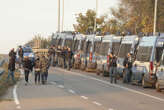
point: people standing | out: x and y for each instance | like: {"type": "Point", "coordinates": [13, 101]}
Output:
{"type": "Point", "coordinates": [12, 53]}
{"type": "Point", "coordinates": [44, 64]}
{"type": "Point", "coordinates": [127, 68]}
{"type": "Point", "coordinates": [11, 68]}
{"type": "Point", "coordinates": [27, 66]}
{"type": "Point", "coordinates": [37, 69]}
{"type": "Point", "coordinates": [113, 68]}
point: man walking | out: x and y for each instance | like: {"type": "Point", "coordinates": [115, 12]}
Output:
{"type": "Point", "coordinates": [27, 65]}
{"type": "Point", "coordinates": [37, 68]}
{"type": "Point", "coordinates": [69, 55]}
{"type": "Point", "coordinates": [20, 53]}
{"type": "Point", "coordinates": [11, 68]}
{"type": "Point", "coordinates": [44, 64]}
{"type": "Point", "coordinates": [128, 68]}
{"type": "Point", "coordinates": [113, 68]}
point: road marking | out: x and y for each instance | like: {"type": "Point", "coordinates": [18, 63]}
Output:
{"type": "Point", "coordinates": [114, 85]}
{"type": "Point", "coordinates": [111, 109]}
{"type": "Point", "coordinates": [61, 86]}
{"type": "Point", "coordinates": [18, 107]}
{"type": "Point", "coordinates": [97, 103]}
{"type": "Point", "coordinates": [84, 97]}
{"type": "Point", "coordinates": [71, 91]}
{"type": "Point", "coordinates": [15, 95]}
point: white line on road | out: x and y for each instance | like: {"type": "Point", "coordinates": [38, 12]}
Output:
{"type": "Point", "coordinates": [15, 95]}
{"type": "Point", "coordinates": [114, 85]}
{"type": "Point", "coordinates": [18, 107]}
{"type": "Point", "coordinates": [97, 103]}
{"type": "Point", "coordinates": [84, 97]}
{"type": "Point", "coordinates": [71, 91]}
{"type": "Point", "coordinates": [61, 86]}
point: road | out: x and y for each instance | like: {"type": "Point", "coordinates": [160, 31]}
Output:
{"type": "Point", "coordinates": [76, 90]}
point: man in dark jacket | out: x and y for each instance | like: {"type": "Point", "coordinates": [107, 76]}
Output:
{"type": "Point", "coordinates": [113, 68]}
{"type": "Point", "coordinates": [12, 54]}
{"type": "Point", "coordinates": [11, 68]}
{"type": "Point", "coordinates": [20, 53]}
{"type": "Point", "coordinates": [69, 55]}
{"type": "Point", "coordinates": [27, 65]}
{"type": "Point", "coordinates": [127, 68]}
{"type": "Point", "coordinates": [37, 69]}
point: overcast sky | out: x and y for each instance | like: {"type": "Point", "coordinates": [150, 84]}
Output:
{"type": "Point", "coordinates": [20, 20]}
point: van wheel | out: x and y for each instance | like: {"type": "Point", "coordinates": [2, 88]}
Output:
{"type": "Point", "coordinates": [157, 87]}
{"type": "Point", "coordinates": [143, 83]}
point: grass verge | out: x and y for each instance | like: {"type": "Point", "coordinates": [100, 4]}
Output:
{"type": "Point", "coordinates": [4, 86]}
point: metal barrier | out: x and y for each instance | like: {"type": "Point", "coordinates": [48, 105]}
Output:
{"type": "Point", "coordinates": [1, 64]}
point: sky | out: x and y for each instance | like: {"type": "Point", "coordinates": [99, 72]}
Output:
{"type": "Point", "coordinates": [20, 20]}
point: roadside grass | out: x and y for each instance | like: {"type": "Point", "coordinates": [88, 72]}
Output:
{"type": "Point", "coordinates": [4, 85]}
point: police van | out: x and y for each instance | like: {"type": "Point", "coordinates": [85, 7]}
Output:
{"type": "Point", "coordinates": [68, 40]}
{"type": "Point", "coordinates": [128, 45]}
{"type": "Point", "coordinates": [95, 48]}
{"type": "Point", "coordinates": [86, 51]}
{"type": "Point", "coordinates": [60, 39]}
{"type": "Point", "coordinates": [160, 65]}
{"type": "Point", "coordinates": [77, 49]}
{"type": "Point", "coordinates": [145, 65]}
{"type": "Point", "coordinates": [54, 39]}
{"type": "Point", "coordinates": [110, 43]}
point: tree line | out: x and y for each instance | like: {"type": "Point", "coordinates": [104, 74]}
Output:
{"type": "Point", "coordinates": [132, 16]}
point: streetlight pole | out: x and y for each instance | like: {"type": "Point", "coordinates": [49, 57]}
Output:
{"type": "Point", "coordinates": [155, 16]}
{"type": "Point", "coordinates": [63, 18]}
{"type": "Point", "coordinates": [58, 15]}
{"type": "Point", "coordinates": [96, 16]}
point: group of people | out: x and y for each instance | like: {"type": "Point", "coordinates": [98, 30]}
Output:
{"type": "Point", "coordinates": [127, 72]}
{"type": "Point", "coordinates": [61, 56]}
{"type": "Point", "coordinates": [39, 66]}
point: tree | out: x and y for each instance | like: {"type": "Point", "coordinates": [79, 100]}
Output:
{"type": "Point", "coordinates": [85, 22]}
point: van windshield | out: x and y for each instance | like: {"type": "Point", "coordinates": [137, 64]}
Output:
{"type": "Point", "coordinates": [124, 49]}
{"type": "Point", "coordinates": [75, 47]}
{"type": "Point", "coordinates": [104, 48]}
{"type": "Point", "coordinates": [97, 46]}
{"type": "Point", "coordinates": [144, 53]}
{"type": "Point", "coordinates": [82, 45]}
{"type": "Point", "coordinates": [158, 54]}
{"type": "Point", "coordinates": [87, 46]}
{"type": "Point", "coordinates": [116, 47]}
{"type": "Point", "coordinates": [68, 43]}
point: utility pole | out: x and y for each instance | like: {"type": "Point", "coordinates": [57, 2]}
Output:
{"type": "Point", "coordinates": [58, 15]}
{"type": "Point", "coordinates": [155, 16]}
{"type": "Point", "coordinates": [95, 28]}
{"type": "Point", "coordinates": [63, 18]}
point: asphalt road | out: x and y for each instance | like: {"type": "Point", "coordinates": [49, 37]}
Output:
{"type": "Point", "coordinates": [76, 90]}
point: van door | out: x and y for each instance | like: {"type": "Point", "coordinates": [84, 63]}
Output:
{"type": "Point", "coordinates": [160, 69]}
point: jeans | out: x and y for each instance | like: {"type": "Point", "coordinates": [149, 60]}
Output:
{"type": "Point", "coordinates": [10, 73]}
{"type": "Point", "coordinates": [113, 74]}
{"type": "Point", "coordinates": [37, 76]}
{"type": "Point", "coordinates": [46, 76]}
{"type": "Point", "coordinates": [127, 77]}
{"type": "Point", "coordinates": [26, 75]}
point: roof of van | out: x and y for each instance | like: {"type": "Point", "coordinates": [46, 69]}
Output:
{"type": "Point", "coordinates": [79, 36]}
{"type": "Point", "coordinates": [129, 39]}
{"type": "Point", "coordinates": [148, 41]}
{"type": "Point", "coordinates": [111, 38]}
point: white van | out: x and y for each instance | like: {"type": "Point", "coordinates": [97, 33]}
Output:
{"type": "Point", "coordinates": [110, 43]}
{"type": "Point", "coordinates": [144, 68]}
{"type": "Point", "coordinates": [128, 45]}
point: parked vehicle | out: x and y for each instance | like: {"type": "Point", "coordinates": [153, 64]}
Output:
{"type": "Point", "coordinates": [68, 40]}
{"type": "Point", "coordinates": [160, 66]}
{"type": "Point", "coordinates": [27, 51]}
{"type": "Point", "coordinates": [78, 49]}
{"type": "Point", "coordinates": [144, 68]}
{"type": "Point", "coordinates": [128, 45]}
{"type": "Point", "coordinates": [110, 43]}
{"type": "Point", "coordinates": [54, 39]}
{"type": "Point", "coordinates": [87, 48]}
{"type": "Point", "coordinates": [92, 63]}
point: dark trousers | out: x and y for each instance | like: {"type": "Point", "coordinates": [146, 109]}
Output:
{"type": "Point", "coordinates": [46, 76]}
{"type": "Point", "coordinates": [26, 75]}
{"type": "Point", "coordinates": [113, 74]}
{"type": "Point", "coordinates": [37, 76]}
{"type": "Point", "coordinates": [43, 77]}
{"type": "Point", "coordinates": [128, 74]}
